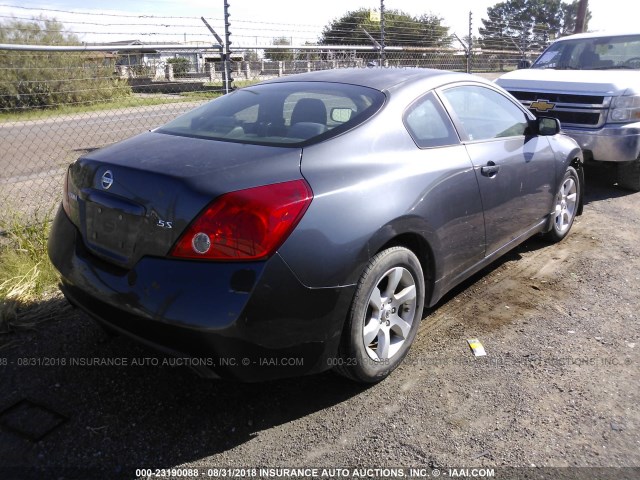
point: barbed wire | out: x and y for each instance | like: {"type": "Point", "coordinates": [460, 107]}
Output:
{"type": "Point", "coordinates": [93, 12]}
{"type": "Point", "coordinates": [242, 28]}
{"type": "Point", "coordinates": [236, 22]}
{"type": "Point", "coordinates": [200, 25]}
{"type": "Point", "coordinates": [265, 31]}
{"type": "Point", "coordinates": [258, 33]}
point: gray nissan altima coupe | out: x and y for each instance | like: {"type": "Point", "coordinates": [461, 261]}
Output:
{"type": "Point", "coordinates": [304, 223]}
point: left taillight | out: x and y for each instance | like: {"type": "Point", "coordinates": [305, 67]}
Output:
{"type": "Point", "coordinates": [247, 224]}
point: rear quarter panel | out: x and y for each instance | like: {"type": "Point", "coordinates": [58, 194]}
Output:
{"type": "Point", "coordinates": [373, 184]}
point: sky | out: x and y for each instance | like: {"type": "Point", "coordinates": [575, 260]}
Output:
{"type": "Point", "coordinates": [256, 22]}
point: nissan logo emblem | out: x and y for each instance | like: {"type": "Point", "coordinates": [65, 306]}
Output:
{"type": "Point", "coordinates": [107, 179]}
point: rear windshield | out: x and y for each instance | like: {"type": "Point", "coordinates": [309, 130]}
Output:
{"type": "Point", "coordinates": [288, 113]}
{"type": "Point", "coordinates": [596, 53]}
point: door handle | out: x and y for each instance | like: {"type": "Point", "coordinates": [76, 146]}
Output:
{"type": "Point", "coordinates": [490, 170]}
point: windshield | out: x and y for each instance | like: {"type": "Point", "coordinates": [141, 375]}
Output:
{"type": "Point", "coordinates": [282, 114]}
{"type": "Point", "coordinates": [598, 53]}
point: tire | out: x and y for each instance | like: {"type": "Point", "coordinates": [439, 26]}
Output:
{"type": "Point", "coordinates": [384, 316]}
{"type": "Point", "coordinates": [628, 175]}
{"type": "Point", "coordinates": [567, 204]}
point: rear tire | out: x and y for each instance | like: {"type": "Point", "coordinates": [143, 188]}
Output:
{"type": "Point", "coordinates": [628, 175]}
{"type": "Point", "coordinates": [384, 316]}
{"type": "Point", "coordinates": [566, 206]}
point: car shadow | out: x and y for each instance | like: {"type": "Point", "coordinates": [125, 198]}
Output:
{"type": "Point", "coordinates": [79, 420]}
{"type": "Point", "coordinates": [600, 180]}
{"type": "Point", "coordinates": [532, 244]}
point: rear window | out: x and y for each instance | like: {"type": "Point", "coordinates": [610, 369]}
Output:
{"type": "Point", "coordinates": [288, 113]}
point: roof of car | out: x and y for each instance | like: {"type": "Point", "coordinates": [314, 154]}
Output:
{"type": "Point", "coordinates": [373, 77]}
{"type": "Point", "coordinates": [597, 35]}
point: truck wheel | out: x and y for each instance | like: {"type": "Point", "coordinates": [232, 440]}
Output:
{"type": "Point", "coordinates": [629, 175]}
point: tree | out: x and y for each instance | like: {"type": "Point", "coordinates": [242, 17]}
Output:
{"type": "Point", "coordinates": [31, 79]}
{"type": "Point", "coordinates": [251, 55]}
{"type": "Point", "coordinates": [181, 66]}
{"type": "Point", "coordinates": [39, 31]}
{"type": "Point", "coordinates": [401, 29]}
{"type": "Point", "coordinates": [282, 55]}
{"type": "Point", "coordinates": [527, 24]}
{"type": "Point", "coordinates": [570, 15]}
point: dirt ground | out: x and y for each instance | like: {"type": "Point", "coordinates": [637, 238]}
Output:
{"type": "Point", "coordinates": [559, 386]}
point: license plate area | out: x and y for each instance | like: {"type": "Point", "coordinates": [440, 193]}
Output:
{"type": "Point", "coordinates": [111, 231]}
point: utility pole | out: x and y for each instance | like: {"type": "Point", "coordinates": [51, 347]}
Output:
{"type": "Point", "coordinates": [470, 47]}
{"type": "Point", "coordinates": [227, 81]}
{"type": "Point", "coordinates": [581, 18]}
{"type": "Point", "coordinates": [382, 33]}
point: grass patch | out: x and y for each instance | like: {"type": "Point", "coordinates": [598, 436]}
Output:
{"type": "Point", "coordinates": [124, 102]}
{"type": "Point", "coordinates": [127, 102]}
{"type": "Point", "coordinates": [26, 274]}
{"type": "Point", "coordinates": [202, 95]}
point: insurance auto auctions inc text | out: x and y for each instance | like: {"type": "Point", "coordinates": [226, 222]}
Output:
{"type": "Point", "coordinates": [346, 473]}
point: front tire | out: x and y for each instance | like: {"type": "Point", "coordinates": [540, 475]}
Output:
{"type": "Point", "coordinates": [566, 205]}
{"type": "Point", "coordinates": [384, 316]}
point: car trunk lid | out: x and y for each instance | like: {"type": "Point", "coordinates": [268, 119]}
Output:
{"type": "Point", "coordinates": [135, 198]}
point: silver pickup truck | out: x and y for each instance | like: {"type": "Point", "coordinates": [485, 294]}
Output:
{"type": "Point", "coordinates": [591, 83]}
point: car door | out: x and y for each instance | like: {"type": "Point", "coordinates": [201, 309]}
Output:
{"type": "Point", "coordinates": [454, 204]}
{"type": "Point", "coordinates": [515, 170]}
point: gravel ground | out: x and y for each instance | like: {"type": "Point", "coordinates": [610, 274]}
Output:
{"type": "Point", "coordinates": [558, 387]}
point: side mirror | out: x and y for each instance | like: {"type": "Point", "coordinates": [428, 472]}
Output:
{"type": "Point", "coordinates": [341, 115]}
{"type": "Point", "coordinates": [524, 64]}
{"type": "Point", "coordinates": [548, 126]}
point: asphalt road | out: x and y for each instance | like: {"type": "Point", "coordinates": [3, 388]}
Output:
{"type": "Point", "coordinates": [32, 147]}
{"type": "Point", "coordinates": [34, 154]}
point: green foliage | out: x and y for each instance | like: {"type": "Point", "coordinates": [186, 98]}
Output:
{"type": "Point", "coordinates": [181, 66]}
{"type": "Point", "coordinates": [527, 24]}
{"type": "Point", "coordinates": [570, 15]}
{"type": "Point", "coordinates": [251, 55]}
{"type": "Point", "coordinates": [116, 104]}
{"type": "Point", "coordinates": [279, 55]}
{"type": "Point", "coordinates": [38, 31]}
{"type": "Point", "coordinates": [401, 29]}
{"type": "Point", "coordinates": [25, 270]}
{"type": "Point", "coordinates": [31, 79]}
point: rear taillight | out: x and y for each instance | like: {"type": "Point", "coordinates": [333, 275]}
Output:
{"type": "Point", "coordinates": [245, 225]}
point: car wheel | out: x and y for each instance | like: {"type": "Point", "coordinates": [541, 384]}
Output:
{"type": "Point", "coordinates": [566, 206]}
{"type": "Point", "coordinates": [384, 316]}
{"type": "Point", "coordinates": [629, 175]}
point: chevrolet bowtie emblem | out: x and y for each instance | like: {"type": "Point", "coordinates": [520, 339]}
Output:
{"type": "Point", "coordinates": [541, 105]}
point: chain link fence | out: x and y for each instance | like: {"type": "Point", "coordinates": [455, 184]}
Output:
{"type": "Point", "coordinates": [57, 103]}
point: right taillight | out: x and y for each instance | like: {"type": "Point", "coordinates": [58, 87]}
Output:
{"type": "Point", "coordinates": [247, 224]}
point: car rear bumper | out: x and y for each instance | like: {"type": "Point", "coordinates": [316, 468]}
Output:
{"type": "Point", "coordinates": [246, 321]}
{"type": "Point", "coordinates": [609, 144]}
